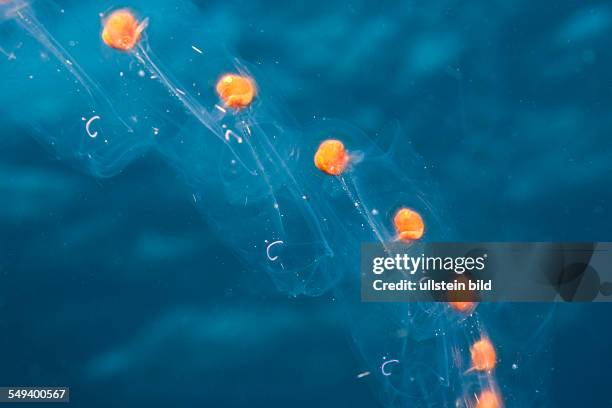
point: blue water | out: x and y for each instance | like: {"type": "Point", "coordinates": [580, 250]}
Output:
{"type": "Point", "coordinates": [118, 288]}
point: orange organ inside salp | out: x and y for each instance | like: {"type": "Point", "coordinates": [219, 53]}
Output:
{"type": "Point", "coordinates": [331, 157]}
{"type": "Point", "coordinates": [488, 399]}
{"type": "Point", "coordinates": [483, 355]}
{"type": "Point", "coordinates": [408, 225]}
{"type": "Point", "coordinates": [122, 30]}
{"type": "Point", "coordinates": [236, 91]}
{"type": "Point", "coordinates": [463, 307]}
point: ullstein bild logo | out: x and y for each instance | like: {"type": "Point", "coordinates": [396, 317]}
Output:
{"type": "Point", "coordinates": [487, 272]}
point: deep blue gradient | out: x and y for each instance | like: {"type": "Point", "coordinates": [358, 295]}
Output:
{"type": "Point", "coordinates": [118, 288]}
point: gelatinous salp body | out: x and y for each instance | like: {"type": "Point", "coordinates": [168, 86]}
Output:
{"type": "Point", "coordinates": [100, 128]}
{"type": "Point", "coordinates": [483, 355]}
{"type": "Point", "coordinates": [252, 169]}
{"type": "Point", "coordinates": [489, 399]}
{"type": "Point", "coordinates": [331, 157]}
{"type": "Point", "coordinates": [463, 307]}
{"type": "Point", "coordinates": [122, 30]}
{"type": "Point", "coordinates": [408, 224]}
{"type": "Point", "coordinates": [236, 91]}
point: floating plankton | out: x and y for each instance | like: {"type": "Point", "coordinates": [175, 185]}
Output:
{"type": "Point", "coordinates": [408, 224]}
{"type": "Point", "coordinates": [236, 91]}
{"type": "Point", "coordinates": [489, 399]}
{"type": "Point", "coordinates": [483, 355]}
{"type": "Point", "coordinates": [331, 157]}
{"type": "Point", "coordinates": [122, 30]}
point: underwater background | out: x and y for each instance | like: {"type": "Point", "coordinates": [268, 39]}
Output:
{"type": "Point", "coordinates": [117, 288]}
